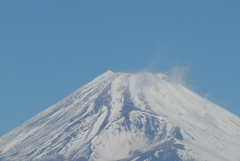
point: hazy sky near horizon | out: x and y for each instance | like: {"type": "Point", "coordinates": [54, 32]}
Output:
{"type": "Point", "coordinates": [48, 49]}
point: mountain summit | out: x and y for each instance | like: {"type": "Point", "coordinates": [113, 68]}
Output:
{"type": "Point", "coordinates": [127, 116]}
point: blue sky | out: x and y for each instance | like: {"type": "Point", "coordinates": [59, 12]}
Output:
{"type": "Point", "coordinates": [48, 49]}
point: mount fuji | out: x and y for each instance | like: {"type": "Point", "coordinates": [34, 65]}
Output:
{"type": "Point", "coordinates": [127, 117]}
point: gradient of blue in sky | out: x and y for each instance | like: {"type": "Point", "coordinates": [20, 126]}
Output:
{"type": "Point", "coordinates": [48, 49]}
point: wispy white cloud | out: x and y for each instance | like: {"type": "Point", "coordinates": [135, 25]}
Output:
{"type": "Point", "coordinates": [158, 58]}
{"type": "Point", "coordinates": [152, 67]}
{"type": "Point", "coordinates": [180, 74]}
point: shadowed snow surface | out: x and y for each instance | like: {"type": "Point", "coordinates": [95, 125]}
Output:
{"type": "Point", "coordinates": [125, 116]}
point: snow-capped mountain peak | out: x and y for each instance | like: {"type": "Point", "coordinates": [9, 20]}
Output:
{"type": "Point", "coordinates": [127, 116]}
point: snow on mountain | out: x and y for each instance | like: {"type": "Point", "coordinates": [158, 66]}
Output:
{"type": "Point", "coordinates": [127, 116]}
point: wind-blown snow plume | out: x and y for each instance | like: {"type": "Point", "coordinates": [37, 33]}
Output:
{"type": "Point", "coordinates": [180, 74]}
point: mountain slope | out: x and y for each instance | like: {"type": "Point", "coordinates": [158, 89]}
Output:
{"type": "Point", "coordinates": [124, 116]}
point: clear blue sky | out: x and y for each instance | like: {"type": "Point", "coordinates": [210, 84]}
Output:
{"type": "Point", "coordinates": [48, 49]}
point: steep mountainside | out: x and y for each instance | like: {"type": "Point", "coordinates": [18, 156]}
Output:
{"type": "Point", "coordinates": [125, 116]}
